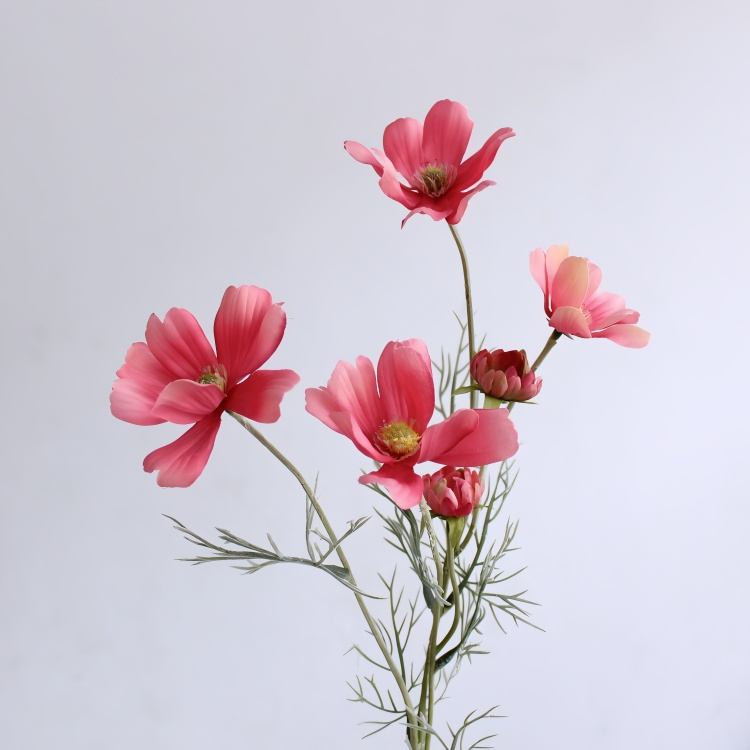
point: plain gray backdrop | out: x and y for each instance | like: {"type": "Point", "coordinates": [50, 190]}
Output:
{"type": "Point", "coordinates": [152, 153]}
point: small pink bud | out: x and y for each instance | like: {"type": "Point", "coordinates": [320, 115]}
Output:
{"type": "Point", "coordinates": [505, 375]}
{"type": "Point", "coordinates": [453, 492]}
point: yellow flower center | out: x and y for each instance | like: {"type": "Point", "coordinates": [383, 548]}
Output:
{"type": "Point", "coordinates": [398, 439]}
{"type": "Point", "coordinates": [214, 375]}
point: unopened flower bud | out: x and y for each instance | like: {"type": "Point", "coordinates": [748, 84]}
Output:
{"type": "Point", "coordinates": [453, 492]}
{"type": "Point", "coordinates": [505, 375]}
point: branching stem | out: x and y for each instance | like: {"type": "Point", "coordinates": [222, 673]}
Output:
{"type": "Point", "coordinates": [371, 623]}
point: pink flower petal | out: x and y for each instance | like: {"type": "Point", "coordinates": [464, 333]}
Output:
{"type": "Point", "coordinates": [248, 329]}
{"type": "Point", "coordinates": [625, 335]}
{"type": "Point", "coordinates": [570, 320]}
{"type": "Point", "coordinates": [363, 155]}
{"type": "Point", "coordinates": [350, 405]}
{"type": "Point", "coordinates": [141, 379]}
{"type": "Point", "coordinates": [259, 397]}
{"type": "Point", "coordinates": [402, 143]}
{"type": "Point", "coordinates": [494, 439]}
{"type": "Point", "coordinates": [179, 344]}
{"type": "Point", "coordinates": [389, 182]}
{"type": "Point", "coordinates": [185, 401]}
{"type": "Point", "coordinates": [475, 166]}
{"type": "Point", "coordinates": [345, 425]}
{"type": "Point", "coordinates": [420, 348]}
{"type": "Point", "coordinates": [447, 129]}
{"type": "Point", "coordinates": [180, 463]}
{"type": "Point", "coordinates": [555, 256]}
{"type": "Point", "coordinates": [605, 309]}
{"type": "Point", "coordinates": [434, 214]}
{"type": "Point", "coordinates": [570, 283]}
{"type": "Point", "coordinates": [538, 268]}
{"type": "Point", "coordinates": [543, 267]}
{"type": "Point", "coordinates": [354, 390]}
{"type": "Point", "coordinates": [440, 439]}
{"type": "Point", "coordinates": [406, 386]}
{"type": "Point", "coordinates": [321, 404]}
{"type": "Point", "coordinates": [595, 280]}
{"type": "Point", "coordinates": [461, 206]}
{"type": "Point", "coordinates": [404, 486]}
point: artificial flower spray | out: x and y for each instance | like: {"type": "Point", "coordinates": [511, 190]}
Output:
{"type": "Point", "coordinates": [441, 459]}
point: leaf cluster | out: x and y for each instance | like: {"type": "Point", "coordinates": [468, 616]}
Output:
{"type": "Point", "coordinates": [256, 557]}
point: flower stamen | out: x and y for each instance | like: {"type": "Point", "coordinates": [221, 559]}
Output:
{"type": "Point", "coordinates": [398, 439]}
{"type": "Point", "coordinates": [214, 375]}
{"type": "Point", "coordinates": [435, 180]}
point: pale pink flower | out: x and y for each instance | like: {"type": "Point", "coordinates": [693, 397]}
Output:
{"type": "Point", "coordinates": [386, 418]}
{"type": "Point", "coordinates": [429, 158]}
{"type": "Point", "coordinates": [574, 304]}
{"type": "Point", "coordinates": [505, 375]}
{"type": "Point", "coordinates": [175, 376]}
{"type": "Point", "coordinates": [453, 492]}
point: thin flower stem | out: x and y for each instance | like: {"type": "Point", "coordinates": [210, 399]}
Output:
{"type": "Point", "coordinates": [434, 648]}
{"type": "Point", "coordinates": [469, 305]}
{"type": "Point", "coordinates": [470, 530]}
{"type": "Point", "coordinates": [451, 569]}
{"type": "Point", "coordinates": [454, 382]}
{"type": "Point", "coordinates": [409, 707]}
{"type": "Point", "coordinates": [427, 696]}
{"type": "Point", "coordinates": [551, 341]}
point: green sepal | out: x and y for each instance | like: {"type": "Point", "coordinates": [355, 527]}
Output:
{"type": "Point", "coordinates": [490, 402]}
{"type": "Point", "coordinates": [455, 530]}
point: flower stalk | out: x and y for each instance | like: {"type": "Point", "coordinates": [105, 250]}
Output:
{"type": "Point", "coordinates": [551, 341]}
{"type": "Point", "coordinates": [469, 303]}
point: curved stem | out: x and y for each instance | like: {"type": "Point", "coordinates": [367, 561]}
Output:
{"type": "Point", "coordinates": [470, 531]}
{"type": "Point", "coordinates": [469, 305]}
{"type": "Point", "coordinates": [451, 568]}
{"type": "Point", "coordinates": [373, 626]}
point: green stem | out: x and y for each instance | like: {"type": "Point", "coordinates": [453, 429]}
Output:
{"type": "Point", "coordinates": [470, 531]}
{"type": "Point", "coordinates": [451, 568]}
{"type": "Point", "coordinates": [469, 305]}
{"type": "Point", "coordinates": [427, 697]}
{"type": "Point", "coordinates": [551, 341]}
{"type": "Point", "coordinates": [373, 626]}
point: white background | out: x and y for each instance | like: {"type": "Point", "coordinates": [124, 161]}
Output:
{"type": "Point", "coordinates": [152, 153]}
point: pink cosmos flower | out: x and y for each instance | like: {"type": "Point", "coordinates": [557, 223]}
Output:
{"type": "Point", "coordinates": [574, 304]}
{"type": "Point", "coordinates": [429, 157]}
{"type": "Point", "coordinates": [453, 492]}
{"type": "Point", "coordinates": [175, 376]}
{"type": "Point", "coordinates": [386, 419]}
{"type": "Point", "coordinates": [505, 375]}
